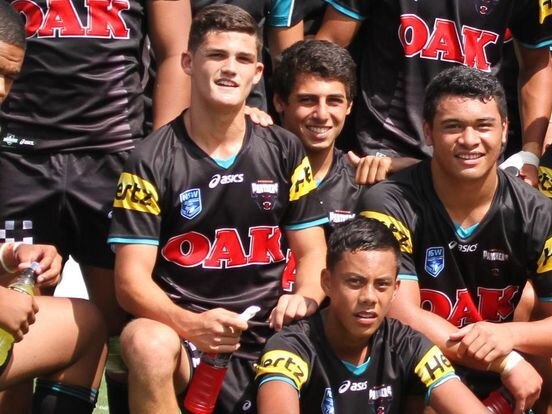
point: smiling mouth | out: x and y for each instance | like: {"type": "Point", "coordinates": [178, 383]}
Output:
{"type": "Point", "coordinates": [474, 156]}
{"type": "Point", "coordinates": [226, 83]}
{"type": "Point", "coordinates": [318, 129]}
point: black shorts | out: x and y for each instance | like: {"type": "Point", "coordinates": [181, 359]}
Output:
{"type": "Point", "coordinates": [64, 199]}
{"type": "Point", "coordinates": [238, 393]}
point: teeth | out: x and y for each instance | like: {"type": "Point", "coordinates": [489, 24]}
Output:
{"type": "Point", "coordinates": [469, 156]}
{"type": "Point", "coordinates": [318, 130]}
{"type": "Point", "coordinates": [225, 83]}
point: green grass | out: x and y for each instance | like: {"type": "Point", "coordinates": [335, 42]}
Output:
{"type": "Point", "coordinates": [101, 405]}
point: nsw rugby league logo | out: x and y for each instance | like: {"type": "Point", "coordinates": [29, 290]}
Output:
{"type": "Point", "coordinates": [190, 203]}
{"type": "Point", "coordinates": [434, 260]}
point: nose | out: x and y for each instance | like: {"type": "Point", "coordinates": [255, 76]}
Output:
{"type": "Point", "coordinates": [367, 294]}
{"type": "Point", "coordinates": [470, 137]}
{"type": "Point", "coordinates": [229, 66]}
{"type": "Point", "coordinates": [322, 110]}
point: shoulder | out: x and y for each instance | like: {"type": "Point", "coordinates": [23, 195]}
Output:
{"type": "Point", "coordinates": [275, 135]}
{"type": "Point", "coordinates": [524, 197]}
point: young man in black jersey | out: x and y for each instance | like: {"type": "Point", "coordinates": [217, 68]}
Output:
{"type": "Point", "coordinates": [60, 340]}
{"type": "Point", "coordinates": [404, 44]}
{"type": "Point", "coordinates": [199, 221]}
{"type": "Point", "coordinates": [314, 87]}
{"type": "Point", "coordinates": [350, 356]}
{"type": "Point", "coordinates": [471, 236]}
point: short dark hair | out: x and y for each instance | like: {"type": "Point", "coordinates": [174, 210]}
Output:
{"type": "Point", "coordinates": [319, 58]}
{"type": "Point", "coordinates": [466, 82]}
{"type": "Point", "coordinates": [360, 234]}
{"type": "Point", "coordinates": [12, 29]}
{"type": "Point", "coordinates": [222, 18]}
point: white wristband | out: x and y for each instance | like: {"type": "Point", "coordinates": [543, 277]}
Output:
{"type": "Point", "coordinates": [510, 362]}
{"type": "Point", "coordinates": [519, 159]}
{"type": "Point", "coordinates": [3, 262]}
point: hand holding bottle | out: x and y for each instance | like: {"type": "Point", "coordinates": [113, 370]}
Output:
{"type": "Point", "coordinates": [207, 380]}
{"type": "Point", "coordinates": [17, 309]}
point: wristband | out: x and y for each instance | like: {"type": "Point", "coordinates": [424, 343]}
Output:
{"type": "Point", "coordinates": [3, 262]}
{"type": "Point", "coordinates": [519, 159]}
{"type": "Point", "coordinates": [506, 364]}
{"type": "Point", "coordinates": [510, 362]}
{"type": "Point", "coordinates": [16, 246]}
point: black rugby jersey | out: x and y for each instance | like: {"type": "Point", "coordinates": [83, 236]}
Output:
{"type": "Point", "coordinates": [406, 43]}
{"type": "Point", "coordinates": [80, 85]}
{"type": "Point", "coordinates": [339, 190]}
{"type": "Point", "coordinates": [287, 13]}
{"type": "Point", "coordinates": [402, 362]}
{"type": "Point", "coordinates": [482, 275]}
{"type": "Point", "coordinates": [339, 194]}
{"type": "Point", "coordinates": [219, 230]}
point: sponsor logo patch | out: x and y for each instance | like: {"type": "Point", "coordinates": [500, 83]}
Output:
{"type": "Point", "coordinates": [545, 10]}
{"type": "Point", "coordinates": [284, 363]}
{"type": "Point", "coordinates": [135, 193]}
{"type": "Point", "coordinates": [545, 181]}
{"type": "Point", "coordinates": [190, 203]}
{"type": "Point", "coordinates": [434, 260]}
{"type": "Point", "coordinates": [302, 181]}
{"type": "Point", "coordinates": [401, 232]}
{"type": "Point", "coordinates": [545, 264]}
{"type": "Point", "coordinates": [433, 366]}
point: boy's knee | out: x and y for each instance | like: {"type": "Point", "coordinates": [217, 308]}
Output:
{"type": "Point", "coordinates": [146, 343]}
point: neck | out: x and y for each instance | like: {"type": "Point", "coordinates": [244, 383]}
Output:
{"type": "Point", "coordinates": [466, 201]}
{"type": "Point", "coordinates": [321, 162]}
{"type": "Point", "coordinates": [219, 133]}
{"type": "Point", "coordinates": [353, 350]}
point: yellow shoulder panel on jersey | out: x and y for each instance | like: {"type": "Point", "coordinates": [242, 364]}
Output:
{"type": "Point", "coordinates": [433, 366]}
{"type": "Point", "coordinates": [302, 181]}
{"type": "Point", "coordinates": [545, 264]}
{"type": "Point", "coordinates": [135, 193]}
{"type": "Point", "coordinates": [401, 232]}
{"type": "Point", "coordinates": [286, 364]}
{"type": "Point", "coordinates": [545, 181]}
{"type": "Point", "coordinates": [545, 10]}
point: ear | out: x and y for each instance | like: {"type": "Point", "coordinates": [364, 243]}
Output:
{"type": "Point", "coordinates": [396, 287]}
{"type": "Point", "coordinates": [258, 72]}
{"type": "Point", "coordinates": [279, 103]}
{"type": "Point", "coordinates": [349, 108]}
{"type": "Point", "coordinates": [186, 63]}
{"type": "Point", "coordinates": [504, 138]}
{"type": "Point", "coordinates": [326, 281]}
{"type": "Point", "coordinates": [427, 133]}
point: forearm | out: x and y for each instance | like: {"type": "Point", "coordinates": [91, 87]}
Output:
{"type": "Point", "coordinates": [171, 94]}
{"type": "Point", "coordinates": [168, 29]}
{"type": "Point", "coordinates": [308, 270]}
{"type": "Point", "coordinates": [438, 330]}
{"type": "Point", "coordinates": [535, 93]}
{"type": "Point", "coordinates": [532, 337]}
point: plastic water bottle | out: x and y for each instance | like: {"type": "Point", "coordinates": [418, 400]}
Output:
{"type": "Point", "coordinates": [207, 380]}
{"type": "Point", "coordinates": [499, 402]}
{"type": "Point", "coordinates": [24, 283]}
